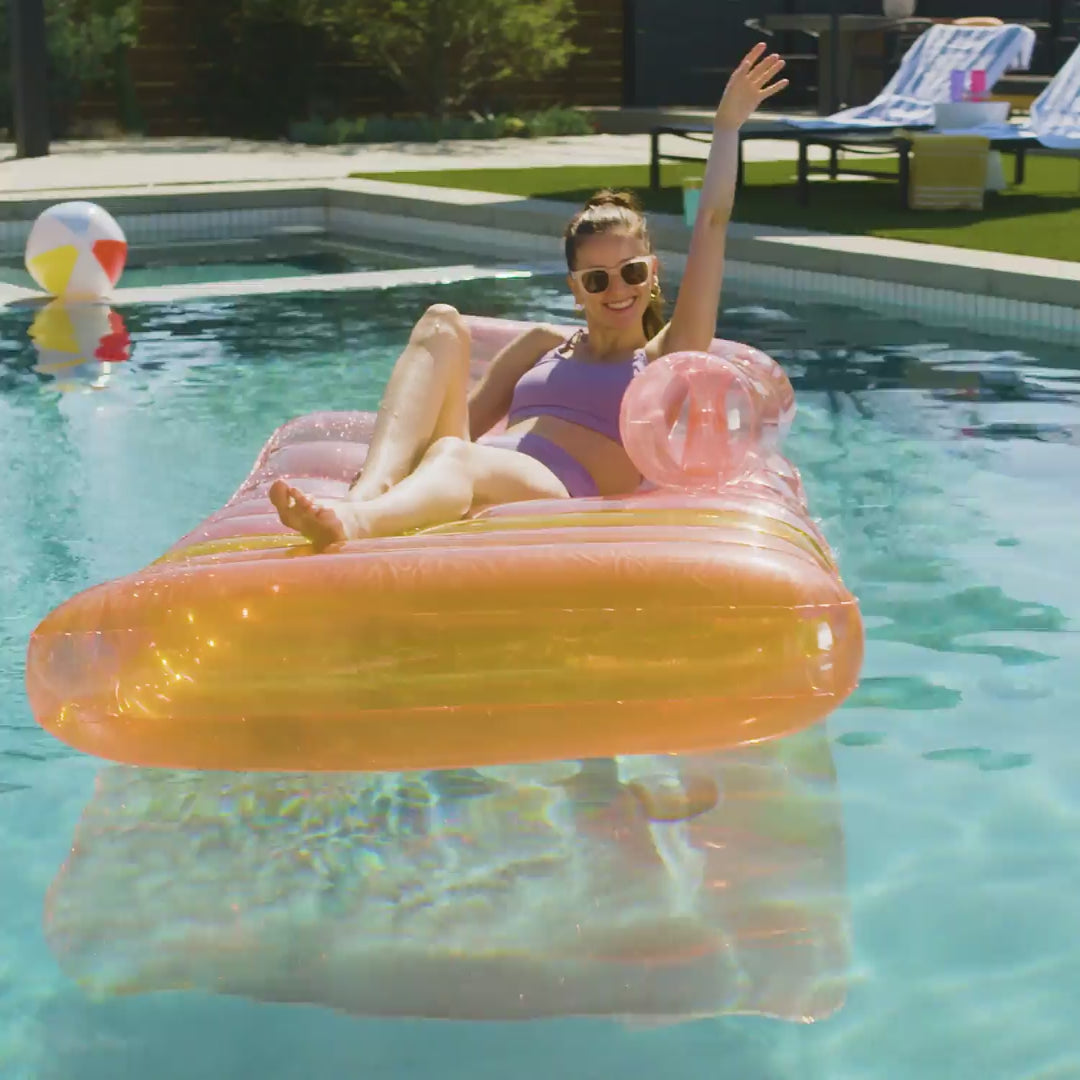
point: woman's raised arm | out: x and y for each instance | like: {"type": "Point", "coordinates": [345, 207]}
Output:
{"type": "Point", "coordinates": [693, 322]}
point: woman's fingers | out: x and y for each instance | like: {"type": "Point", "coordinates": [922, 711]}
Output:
{"type": "Point", "coordinates": [750, 58]}
{"type": "Point", "coordinates": [752, 82]}
{"type": "Point", "coordinates": [767, 69]}
{"type": "Point", "coordinates": [768, 91]}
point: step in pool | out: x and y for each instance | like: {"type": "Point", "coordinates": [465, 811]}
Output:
{"type": "Point", "coordinates": [290, 253]}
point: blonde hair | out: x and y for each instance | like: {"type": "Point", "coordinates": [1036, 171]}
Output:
{"type": "Point", "coordinates": [615, 211]}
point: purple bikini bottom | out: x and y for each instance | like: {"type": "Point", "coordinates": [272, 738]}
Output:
{"type": "Point", "coordinates": [573, 475]}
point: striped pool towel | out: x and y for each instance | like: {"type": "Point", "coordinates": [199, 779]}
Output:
{"type": "Point", "coordinates": [948, 172]}
{"type": "Point", "coordinates": [923, 77]}
{"type": "Point", "coordinates": [1055, 113]}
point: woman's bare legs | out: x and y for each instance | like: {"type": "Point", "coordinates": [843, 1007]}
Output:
{"type": "Point", "coordinates": [426, 399]}
{"type": "Point", "coordinates": [421, 468]}
{"type": "Point", "coordinates": [453, 476]}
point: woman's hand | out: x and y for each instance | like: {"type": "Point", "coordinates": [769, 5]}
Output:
{"type": "Point", "coordinates": [750, 84]}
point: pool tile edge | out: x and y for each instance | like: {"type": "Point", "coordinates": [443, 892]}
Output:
{"type": "Point", "coordinates": [1029, 296]}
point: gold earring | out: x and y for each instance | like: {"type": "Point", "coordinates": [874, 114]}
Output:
{"type": "Point", "coordinates": [654, 292]}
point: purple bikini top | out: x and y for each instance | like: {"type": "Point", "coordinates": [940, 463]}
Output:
{"type": "Point", "coordinates": [580, 391]}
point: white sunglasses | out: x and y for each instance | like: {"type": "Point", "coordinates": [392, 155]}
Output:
{"type": "Point", "coordinates": [633, 271]}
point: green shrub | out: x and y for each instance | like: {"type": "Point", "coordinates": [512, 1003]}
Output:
{"type": "Point", "coordinates": [446, 55]}
{"type": "Point", "coordinates": [513, 127]}
{"type": "Point", "coordinates": [285, 66]}
{"type": "Point", "coordinates": [560, 122]}
{"type": "Point", "coordinates": [379, 129]}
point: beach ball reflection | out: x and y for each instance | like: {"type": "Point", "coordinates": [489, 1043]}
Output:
{"type": "Point", "coordinates": [78, 345]}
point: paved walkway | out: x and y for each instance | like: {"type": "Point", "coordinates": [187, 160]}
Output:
{"type": "Point", "coordinates": [141, 163]}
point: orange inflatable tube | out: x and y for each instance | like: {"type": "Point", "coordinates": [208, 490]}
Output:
{"type": "Point", "coordinates": [662, 622]}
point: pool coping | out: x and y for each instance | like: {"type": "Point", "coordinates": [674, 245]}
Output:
{"type": "Point", "coordinates": [532, 228]}
{"type": "Point", "coordinates": [1015, 277]}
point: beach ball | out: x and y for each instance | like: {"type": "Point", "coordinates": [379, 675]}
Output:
{"type": "Point", "coordinates": [78, 344]}
{"type": "Point", "coordinates": [76, 251]}
{"type": "Point", "coordinates": [691, 421]}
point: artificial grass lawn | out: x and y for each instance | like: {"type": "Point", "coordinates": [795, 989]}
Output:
{"type": "Point", "coordinates": [1042, 217]}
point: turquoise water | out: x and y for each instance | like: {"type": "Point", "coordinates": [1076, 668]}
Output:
{"type": "Point", "coordinates": [943, 466]}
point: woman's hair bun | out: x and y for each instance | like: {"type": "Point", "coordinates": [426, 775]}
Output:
{"type": "Point", "coordinates": [625, 199]}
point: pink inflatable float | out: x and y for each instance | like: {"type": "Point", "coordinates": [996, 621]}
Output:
{"type": "Point", "coordinates": [703, 611]}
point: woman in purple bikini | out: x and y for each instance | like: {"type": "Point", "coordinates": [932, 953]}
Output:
{"type": "Point", "coordinates": [430, 460]}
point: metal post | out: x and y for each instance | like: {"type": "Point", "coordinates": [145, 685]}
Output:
{"type": "Point", "coordinates": [1056, 18]}
{"type": "Point", "coordinates": [629, 54]}
{"type": "Point", "coordinates": [834, 56]}
{"type": "Point", "coordinates": [29, 75]}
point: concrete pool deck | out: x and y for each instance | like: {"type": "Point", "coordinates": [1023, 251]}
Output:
{"type": "Point", "coordinates": [198, 185]}
{"type": "Point", "coordinates": [140, 163]}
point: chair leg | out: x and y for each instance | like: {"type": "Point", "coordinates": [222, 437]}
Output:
{"type": "Point", "coordinates": [834, 162]}
{"type": "Point", "coordinates": [904, 177]}
{"type": "Point", "coordinates": [1019, 166]}
{"type": "Point", "coordinates": [804, 173]}
{"type": "Point", "coordinates": [654, 160]}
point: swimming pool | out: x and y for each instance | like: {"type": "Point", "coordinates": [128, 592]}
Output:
{"type": "Point", "coordinates": [941, 464]}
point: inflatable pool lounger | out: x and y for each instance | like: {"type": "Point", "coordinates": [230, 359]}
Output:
{"type": "Point", "coordinates": [667, 621]}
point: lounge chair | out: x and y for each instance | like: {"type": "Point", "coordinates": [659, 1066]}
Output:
{"type": "Point", "coordinates": [925, 71]}
{"type": "Point", "coordinates": [907, 101]}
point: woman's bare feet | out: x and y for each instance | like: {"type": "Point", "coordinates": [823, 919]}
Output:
{"type": "Point", "coordinates": [322, 521]}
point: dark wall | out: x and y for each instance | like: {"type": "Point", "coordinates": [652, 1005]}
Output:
{"type": "Point", "coordinates": [684, 50]}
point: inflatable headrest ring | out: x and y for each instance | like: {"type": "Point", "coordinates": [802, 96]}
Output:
{"type": "Point", "coordinates": [692, 421]}
{"type": "Point", "coordinates": [777, 409]}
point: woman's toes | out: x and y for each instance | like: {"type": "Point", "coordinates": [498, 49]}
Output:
{"type": "Point", "coordinates": [322, 524]}
{"type": "Point", "coordinates": [325, 526]}
{"type": "Point", "coordinates": [279, 494]}
{"type": "Point", "coordinates": [289, 503]}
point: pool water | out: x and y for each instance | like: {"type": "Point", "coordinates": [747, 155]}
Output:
{"type": "Point", "coordinates": [942, 466]}
{"type": "Point", "coordinates": [248, 260]}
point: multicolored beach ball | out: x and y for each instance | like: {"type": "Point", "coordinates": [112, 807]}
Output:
{"type": "Point", "coordinates": [76, 251]}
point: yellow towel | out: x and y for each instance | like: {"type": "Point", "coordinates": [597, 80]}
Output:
{"type": "Point", "coordinates": [948, 172]}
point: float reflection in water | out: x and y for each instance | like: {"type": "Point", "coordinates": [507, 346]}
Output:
{"type": "Point", "coordinates": [79, 344]}
{"type": "Point", "coordinates": [648, 888]}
